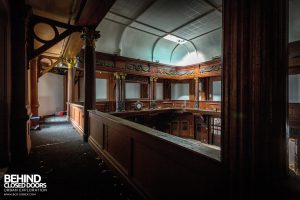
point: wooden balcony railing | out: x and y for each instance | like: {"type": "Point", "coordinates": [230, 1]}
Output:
{"type": "Point", "coordinates": [158, 165]}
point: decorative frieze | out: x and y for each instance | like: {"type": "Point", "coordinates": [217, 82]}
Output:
{"type": "Point", "coordinates": [105, 63]}
{"type": "Point", "coordinates": [174, 72]}
{"type": "Point", "coordinates": [210, 68]}
{"type": "Point", "coordinates": [137, 67]}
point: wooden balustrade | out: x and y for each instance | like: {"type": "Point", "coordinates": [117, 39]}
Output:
{"type": "Point", "coordinates": [110, 106]}
{"type": "Point", "coordinates": [158, 165]}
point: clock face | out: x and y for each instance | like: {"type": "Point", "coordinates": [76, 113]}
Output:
{"type": "Point", "coordinates": [138, 106]}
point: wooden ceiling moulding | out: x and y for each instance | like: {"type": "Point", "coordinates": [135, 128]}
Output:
{"type": "Point", "coordinates": [47, 44]}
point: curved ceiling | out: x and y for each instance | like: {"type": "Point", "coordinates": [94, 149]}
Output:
{"type": "Point", "coordinates": [136, 29]}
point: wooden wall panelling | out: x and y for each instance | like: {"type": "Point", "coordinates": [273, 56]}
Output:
{"type": "Point", "coordinates": [77, 117]}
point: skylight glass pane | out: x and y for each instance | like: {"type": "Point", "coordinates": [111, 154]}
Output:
{"type": "Point", "coordinates": [175, 39]}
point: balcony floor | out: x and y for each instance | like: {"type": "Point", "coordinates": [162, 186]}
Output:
{"type": "Point", "coordinates": [69, 166]}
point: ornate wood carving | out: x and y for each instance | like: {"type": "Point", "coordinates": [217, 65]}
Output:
{"type": "Point", "coordinates": [90, 36]}
{"type": "Point", "coordinates": [210, 68]}
{"type": "Point", "coordinates": [173, 72]}
{"type": "Point", "coordinates": [137, 67]}
{"type": "Point", "coordinates": [105, 63]}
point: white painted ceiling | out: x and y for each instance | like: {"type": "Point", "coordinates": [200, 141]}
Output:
{"type": "Point", "coordinates": [135, 28]}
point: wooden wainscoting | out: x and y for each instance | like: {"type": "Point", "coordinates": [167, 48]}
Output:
{"type": "Point", "coordinates": [77, 117]}
{"type": "Point", "coordinates": [156, 164]}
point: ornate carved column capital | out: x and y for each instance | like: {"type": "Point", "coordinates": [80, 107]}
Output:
{"type": "Point", "coordinates": [123, 75]}
{"type": "Point", "coordinates": [69, 62]}
{"type": "Point", "coordinates": [196, 79]}
{"type": "Point", "coordinates": [90, 36]}
{"type": "Point", "coordinates": [119, 75]}
{"type": "Point", "coordinates": [153, 78]}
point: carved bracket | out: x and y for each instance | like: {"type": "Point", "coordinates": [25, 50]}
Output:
{"type": "Point", "coordinates": [46, 44]}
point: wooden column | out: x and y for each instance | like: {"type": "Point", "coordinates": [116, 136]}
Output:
{"type": "Point", "coordinates": [70, 85]}
{"type": "Point", "coordinates": [34, 77]}
{"type": "Point", "coordinates": [151, 89]}
{"type": "Point", "coordinates": [20, 137]}
{"type": "Point", "coordinates": [89, 35]}
{"type": "Point", "coordinates": [153, 80]}
{"type": "Point", "coordinates": [167, 89]}
{"type": "Point", "coordinates": [154, 87]}
{"type": "Point", "coordinates": [118, 92]}
{"type": "Point", "coordinates": [203, 89]}
{"type": "Point", "coordinates": [196, 92]}
{"type": "Point", "coordinates": [254, 110]}
{"type": "Point", "coordinates": [66, 106]}
{"type": "Point", "coordinates": [123, 92]}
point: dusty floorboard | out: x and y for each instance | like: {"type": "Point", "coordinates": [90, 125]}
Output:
{"type": "Point", "coordinates": [70, 167]}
